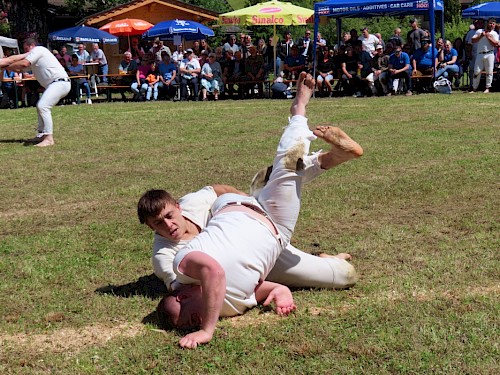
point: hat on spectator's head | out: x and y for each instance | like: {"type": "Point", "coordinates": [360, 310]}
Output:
{"type": "Point", "coordinates": [413, 20]}
{"type": "Point", "coordinates": [379, 46]}
{"type": "Point", "coordinates": [425, 41]}
{"type": "Point", "coordinates": [188, 51]}
{"type": "Point", "coordinates": [211, 54]}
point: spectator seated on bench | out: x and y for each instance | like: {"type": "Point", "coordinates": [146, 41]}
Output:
{"type": "Point", "coordinates": [168, 73]}
{"type": "Point", "coordinates": [294, 64]}
{"type": "Point", "coordinates": [140, 86]}
{"type": "Point", "coordinates": [189, 70]}
{"type": "Point", "coordinates": [77, 69]}
{"type": "Point", "coordinates": [152, 79]}
{"type": "Point", "coordinates": [378, 76]}
{"type": "Point", "coordinates": [350, 65]}
{"type": "Point", "coordinates": [399, 68]}
{"type": "Point", "coordinates": [233, 73]}
{"type": "Point", "coordinates": [448, 63]}
{"type": "Point", "coordinates": [128, 71]}
{"type": "Point", "coordinates": [254, 73]}
{"type": "Point", "coordinates": [423, 63]}
{"type": "Point", "coordinates": [211, 77]}
{"type": "Point", "coordinates": [325, 70]}
{"type": "Point", "coordinates": [365, 59]}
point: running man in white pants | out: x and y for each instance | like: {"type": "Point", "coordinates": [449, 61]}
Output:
{"type": "Point", "coordinates": [223, 268]}
{"type": "Point", "coordinates": [486, 40]}
{"type": "Point", "coordinates": [51, 75]}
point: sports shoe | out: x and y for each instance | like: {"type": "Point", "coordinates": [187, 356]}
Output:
{"type": "Point", "coordinates": [487, 91]}
{"type": "Point", "coordinates": [409, 93]}
{"type": "Point", "coordinates": [89, 101]}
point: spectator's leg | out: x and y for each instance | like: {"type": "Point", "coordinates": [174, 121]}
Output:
{"type": "Point", "coordinates": [195, 84]}
{"type": "Point", "coordinates": [104, 72]}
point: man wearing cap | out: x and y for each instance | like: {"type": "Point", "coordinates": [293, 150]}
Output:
{"type": "Point", "coordinates": [399, 68]}
{"type": "Point", "coordinates": [51, 75]}
{"type": "Point", "coordinates": [487, 41]}
{"type": "Point", "coordinates": [425, 59]}
{"type": "Point", "coordinates": [415, 35]}
{"type": "Point", "coordinates": [380, 69]}
{"type": "Point", "coordinates": [369, 41]}
{"type": "Point", "coordinates": [189, 70]}
{"type": "Point", "coordinates": [158, 48]}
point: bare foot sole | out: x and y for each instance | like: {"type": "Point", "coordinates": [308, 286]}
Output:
{"type": "Point", "coordinates": [343, 147]}
{"type": "Point", "coordinates": [305, 88]}
{"type": "Point", "coordinates": [45, 143]}
{"type": "Point", "coordinates": [344, 256]}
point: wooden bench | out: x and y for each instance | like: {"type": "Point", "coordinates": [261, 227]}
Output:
{"type": "Point", "coordinates": [113, 84]}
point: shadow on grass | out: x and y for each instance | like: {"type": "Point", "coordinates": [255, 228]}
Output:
{"type": "Point", "coordinates": [13, 141]}
{"type": "Point", "coordinates": [149, 286]}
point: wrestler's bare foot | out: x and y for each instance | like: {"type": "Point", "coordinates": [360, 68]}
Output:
{"type": "Point", "coordinates": [48, 140]}
{"type": "Point", "coordinates": [343, 147]}
{"type": "Point", "coordinates": [344, 256]}
{"type": "Point", "coordinates": [305, 88]}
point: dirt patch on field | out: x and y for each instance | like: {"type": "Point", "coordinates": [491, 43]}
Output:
{"type": "Point", "coordinates": [70, 340]}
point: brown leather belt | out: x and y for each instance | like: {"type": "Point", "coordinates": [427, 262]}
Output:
{"type": "Point", "coordinates": [252, 210]}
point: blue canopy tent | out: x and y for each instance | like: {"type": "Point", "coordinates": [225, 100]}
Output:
{"type": "Point", "coordinates": [483, 11]}
{"type": "Point", "coordinates": [373, 8]}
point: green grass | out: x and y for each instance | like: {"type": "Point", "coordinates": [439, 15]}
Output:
{"type": "Point", "coordinates": [419, 214]}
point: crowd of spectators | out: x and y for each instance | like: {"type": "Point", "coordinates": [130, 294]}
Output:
{"type": "Point", "coordinates": [359, 65]}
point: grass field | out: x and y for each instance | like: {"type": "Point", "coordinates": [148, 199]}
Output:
{"type": "Point", "coordinates": [419, 212]}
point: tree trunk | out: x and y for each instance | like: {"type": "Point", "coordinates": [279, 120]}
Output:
{"type": "Point", "coordinates": [27, 18]}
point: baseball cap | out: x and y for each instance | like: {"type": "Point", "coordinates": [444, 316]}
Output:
{"type": "Point", "coordinates": [379, 46]}
{"type": "Point", "coordinates": [189, 50]}
{"type": "Point", "coordinates": [211, 54]}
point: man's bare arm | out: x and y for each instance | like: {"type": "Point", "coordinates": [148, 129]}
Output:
{"type": "Point", "coordinates": [203, 267]}
{"type": "Point", "coordinates": [6, 61]}
{"type": "Point", "coordinates": [19, 65]}
{"type": "Point", "coordinates": [224, 189]}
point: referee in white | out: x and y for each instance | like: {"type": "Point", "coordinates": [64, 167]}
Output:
{"type": "Point", "coordinates": [51, 75]}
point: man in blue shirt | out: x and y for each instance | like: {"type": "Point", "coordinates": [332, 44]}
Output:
{"type": "Point", "coordinates": [425, 59]}
{"type": "Point", "coordinates": [399, 67]}
{"type": "Point", "coordinates": [168, 72]}
{"type": "Point", "coordinates": [294, 63]}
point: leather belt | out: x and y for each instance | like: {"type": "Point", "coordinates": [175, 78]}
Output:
{"type": "Point", "coordinates": [252, 210]}
{"type": "Point", "coordinates": [62, 80]}
{"type": "Point", "coordinates": [485, 52]}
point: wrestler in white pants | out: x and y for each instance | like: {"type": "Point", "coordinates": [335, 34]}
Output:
{"type": "Point", "coordinates": [51, 96]}
{"type": "Point", "coordinates": [484, 62]}
{"type": "Point", "coordinates": [280, 197]}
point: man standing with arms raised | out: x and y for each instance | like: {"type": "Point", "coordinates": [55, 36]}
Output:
{"type": "Point", "coordinates": [486, 41]}
{"type": "Point", "coordinates": [51, 75]}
